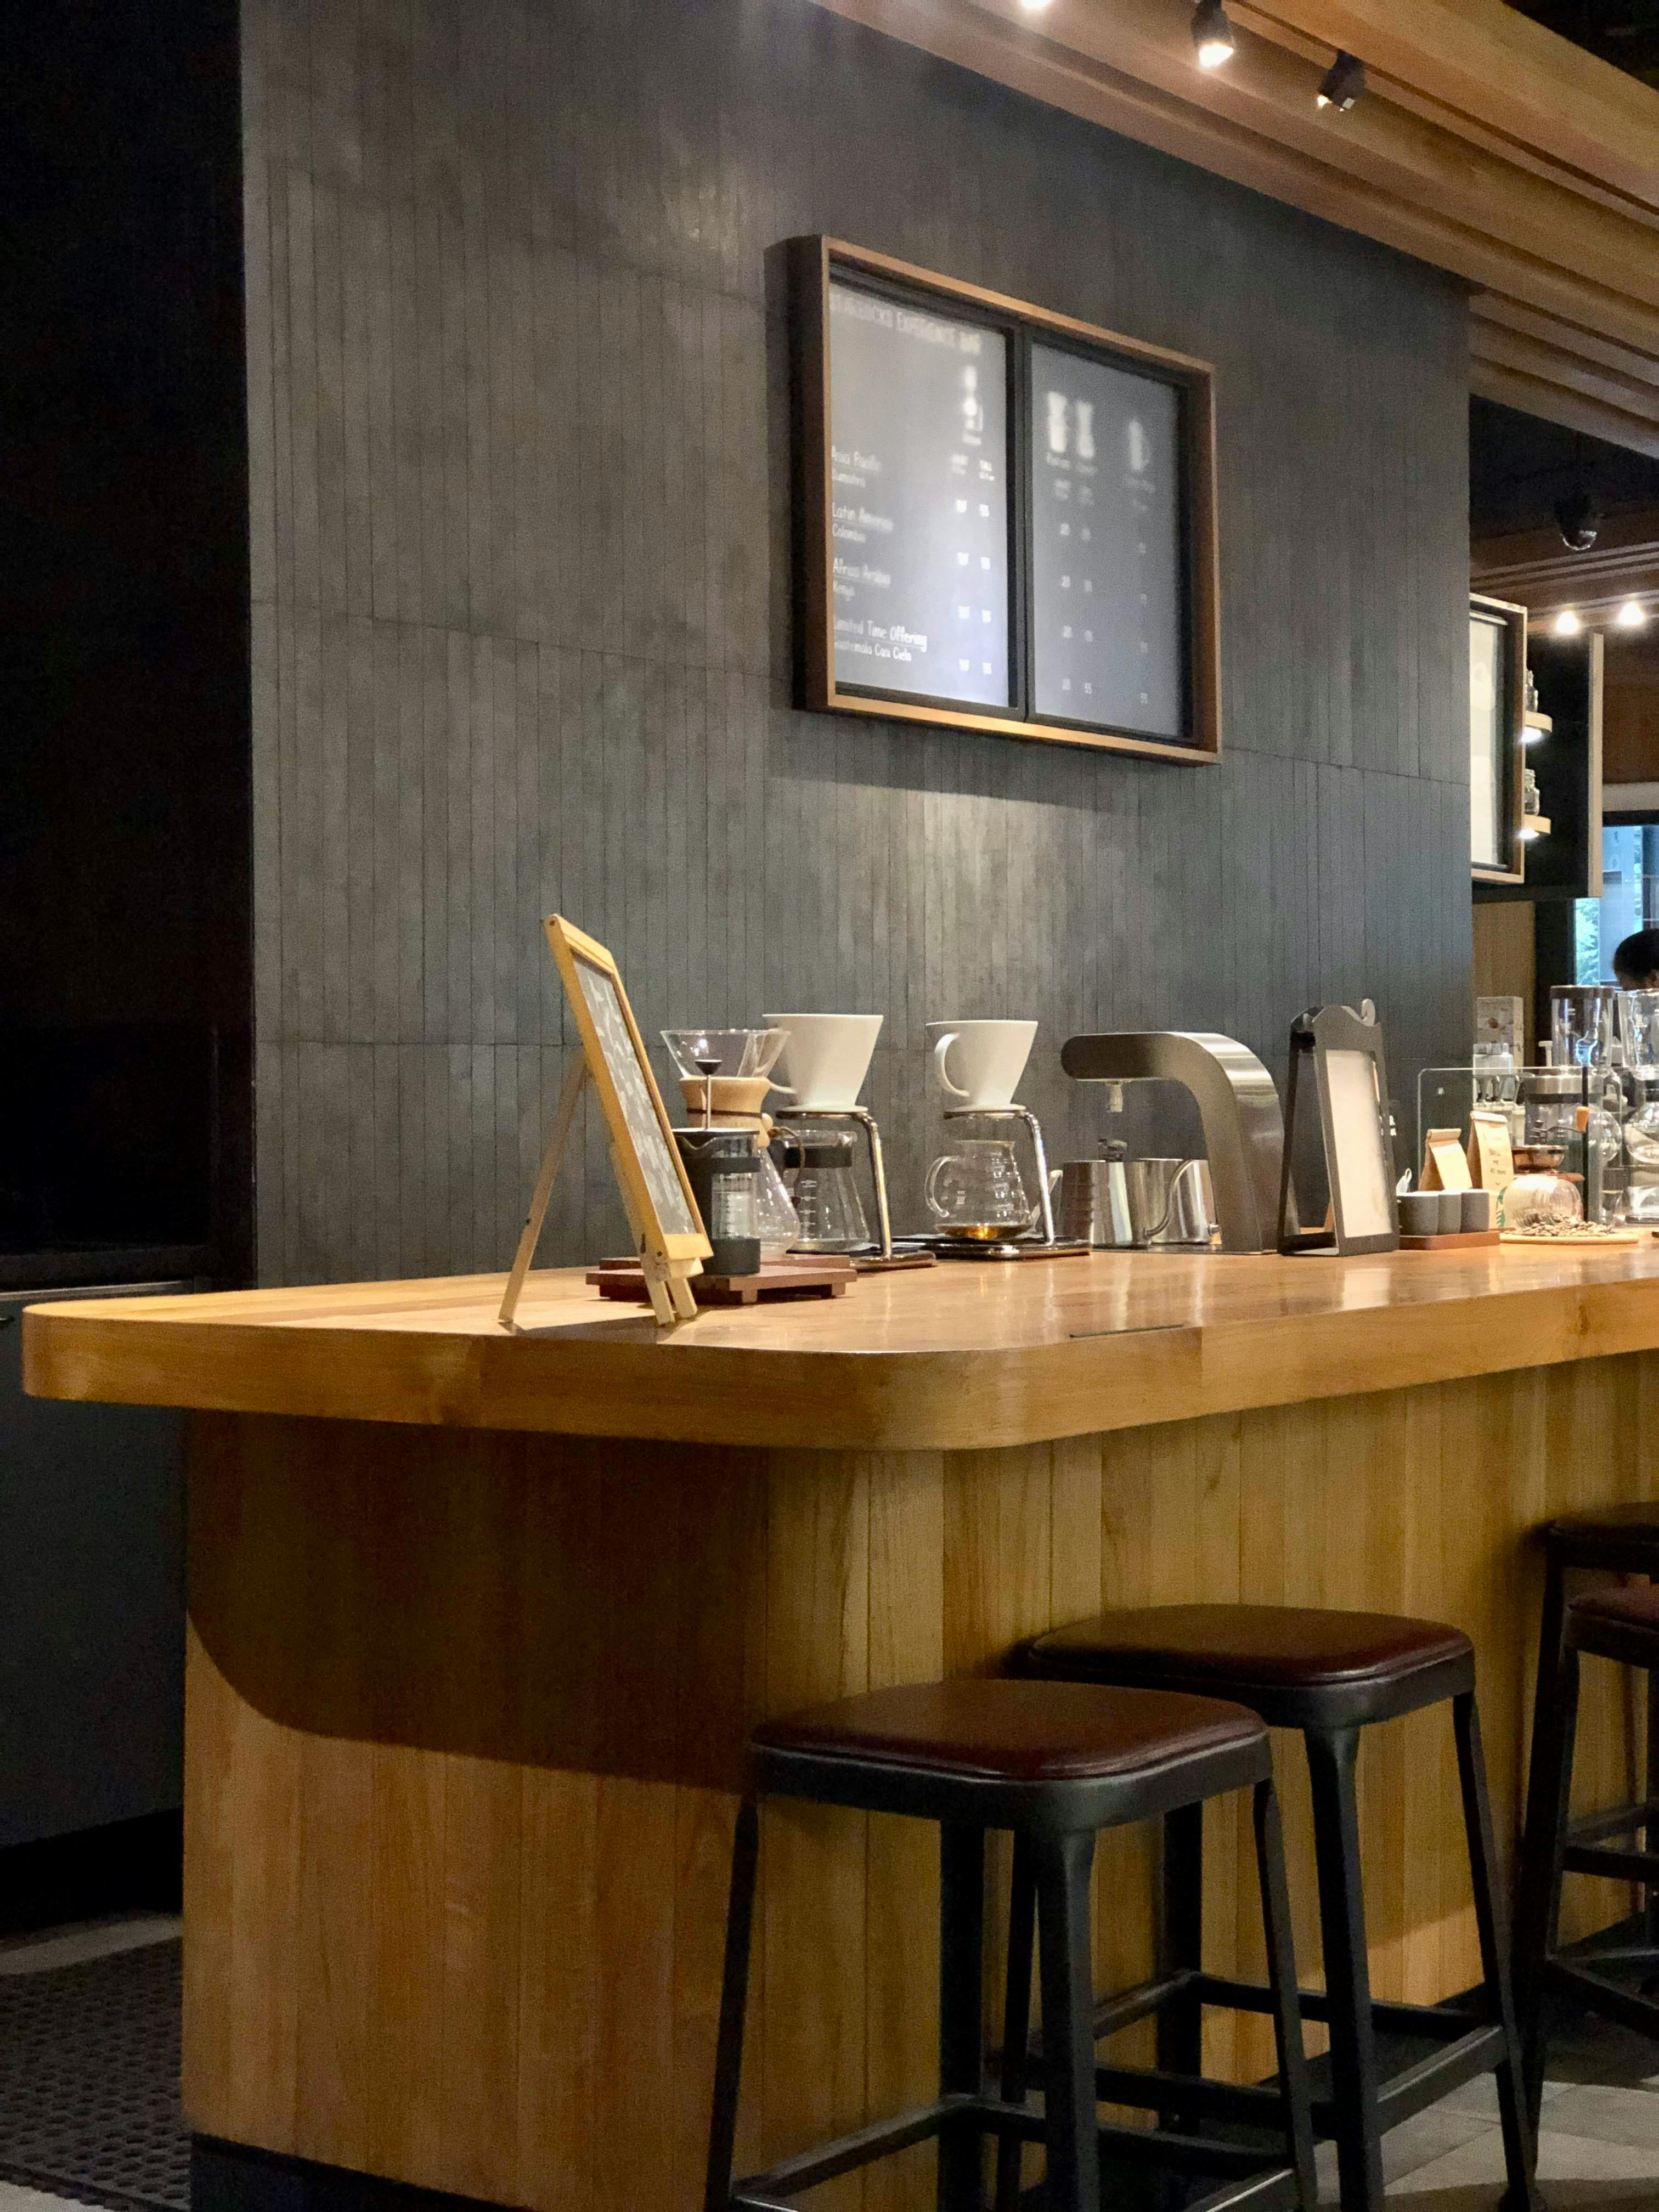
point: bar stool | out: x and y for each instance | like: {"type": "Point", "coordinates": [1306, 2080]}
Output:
{"type": "Point", "coordinates": [1055, 1766]}
{"type": "Point", "coordinates": [1623, 1625]}
{"type": "Point", "coordinates": [1332, 1675]}
{"type": "Point", "coordinates": [1619, 1540]}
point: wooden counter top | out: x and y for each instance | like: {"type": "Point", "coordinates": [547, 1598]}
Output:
{"type": "Point", "coordinates": [958, 1357]}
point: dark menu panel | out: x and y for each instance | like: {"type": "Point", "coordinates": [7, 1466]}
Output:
{"type": "Point", "coordinates": [1107, 618]}
{"type": "Point", "coordinates": [918, 500]}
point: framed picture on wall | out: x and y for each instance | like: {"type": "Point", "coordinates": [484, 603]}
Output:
{"type": "Point", "coordinates": [1498, 709]}
{"type": "Point", "coordinates": [1007, 519]}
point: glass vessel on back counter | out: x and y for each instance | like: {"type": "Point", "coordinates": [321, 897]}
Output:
{"type": "Point", "coordinates": [1640, 1019]}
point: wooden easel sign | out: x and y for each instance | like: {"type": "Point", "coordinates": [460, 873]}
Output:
{"type": "Point", "coordinates": [668, 1234]}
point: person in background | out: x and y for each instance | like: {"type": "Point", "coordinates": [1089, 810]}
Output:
{"type": "Point", "coordinates": [1636, 962]}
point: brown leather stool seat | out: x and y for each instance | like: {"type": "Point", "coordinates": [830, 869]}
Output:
{"type": "Point", "coordinates": [1625, 1538]}
{"type": "Point", "coordinates": [1054, 1764]}
{"type": "Point", "coordinates": [1332, 1675]}
{"type": "Point", "coordinates": [1623, 1625]}
{"type": "Point", "coordinates": [996, 1751]}
{"type": "Point", "coordinates": [1297, 1665]}
{"type": "Point", "coordinates": [1617, 1624]}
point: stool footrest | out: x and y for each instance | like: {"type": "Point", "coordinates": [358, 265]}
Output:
{"type": "Point", "coordinates": [1416, 2086]}
{"type": "Point", "coordinates": [1445, 2023]}
{"type": "Point", "coordinates": [1158, 2092]}
{"type": "Point", "coordinates": [1611, 1866]}
{"type": "Point", "coordinates": [1261, 2168]}
{"type": "Point", "coordinates": [1616, 1821]}
{"type": "Point", "coordinates": [1613, 2003]}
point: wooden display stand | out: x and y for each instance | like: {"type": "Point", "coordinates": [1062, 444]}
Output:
{"type": "Point", "coordinates": [655, 1194]}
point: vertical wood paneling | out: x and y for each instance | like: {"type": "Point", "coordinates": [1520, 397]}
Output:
{"type": "Point", "coordinates": [516, 389]}
{"type": "Point", "coordinates": [466, 1718]}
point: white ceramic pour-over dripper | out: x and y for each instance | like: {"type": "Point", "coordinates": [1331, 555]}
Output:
{"type": "Point", "coordinates": [827, 1057]}
{"type": "Point", "coordinates": [979, 1064]}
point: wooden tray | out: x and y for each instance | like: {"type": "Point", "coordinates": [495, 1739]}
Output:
{"type": "Point", "coordinates": [1460, 1240]}
{"type": "Point", "coordinates": [1609, 1236]}
{"type": "Point", "coordinates": [824, 1275]}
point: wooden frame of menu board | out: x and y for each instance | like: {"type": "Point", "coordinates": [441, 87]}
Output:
{"type": "Point", "coordinates": [816, 262]}
{"type": "Point", "coordinates": [1508, 619]}
{"type": "Point", "coordinates": [656, 1194]}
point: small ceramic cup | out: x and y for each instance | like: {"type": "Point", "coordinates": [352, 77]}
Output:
{"type": "Point", "coordinates": [1451, 1213]}
{"type": "Point", "coordinates": [1476, 1206]}
{"type": "Point", "coordinates": [1420, 1214]}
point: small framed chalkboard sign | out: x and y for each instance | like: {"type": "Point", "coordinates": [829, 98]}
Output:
{"type": "Point", "coordinates": [1006, 518]}
{"type": "Point", "coordinates": [656, 1195]}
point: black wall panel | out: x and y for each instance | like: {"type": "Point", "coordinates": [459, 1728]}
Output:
{"type": "Point", "coordinates": [519, 548]}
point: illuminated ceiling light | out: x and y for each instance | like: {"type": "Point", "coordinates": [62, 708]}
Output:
{"type": "Point", "coordinates": [1567, 623]}
{"type": "Point", "coordinates": [1529, 836]}
{"type": "Point", "coordinates": [1032, 7]}
{"type": "Point", "coordinates": [1212, 34]}
{"type": "Point", "coordinates": [1631, 616]}
{"type": "Point", "coordinates": [1342, 83]}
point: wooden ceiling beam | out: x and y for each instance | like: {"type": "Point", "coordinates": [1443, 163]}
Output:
{"type": "Point", "coordinates": [1567, 263]}
{"type": "Point", "coordinates": [1558, 403]}
{"type": "Point", "coordinates": [1482, 60]}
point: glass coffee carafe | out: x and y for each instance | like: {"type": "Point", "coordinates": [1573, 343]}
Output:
{"type": "Point", "coordinates": [976, 1193]}
{"type": "Point", "coordinates": [818, 1172]}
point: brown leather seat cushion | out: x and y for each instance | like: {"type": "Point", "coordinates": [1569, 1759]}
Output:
{"type": "Point", "coordinates": [1023, 1732]}
{"type": "Point", "coordinates": [1277, 1646]}
{"type": "Point", "coordinates": [1617, 1624]}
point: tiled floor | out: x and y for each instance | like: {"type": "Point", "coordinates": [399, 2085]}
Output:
{"type": "Point", "coordinates": [1599, 2148]}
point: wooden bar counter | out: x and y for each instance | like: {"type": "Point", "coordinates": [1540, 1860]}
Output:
{"type": "Point", "coordinates": [478, 1624]}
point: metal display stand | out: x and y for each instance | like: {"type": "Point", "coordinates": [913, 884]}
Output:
{"type": "Point", "coordinates": [883, 1256]}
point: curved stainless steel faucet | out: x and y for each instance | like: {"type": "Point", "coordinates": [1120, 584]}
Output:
{"type": "Point", "coordinates": [1237, 1104]}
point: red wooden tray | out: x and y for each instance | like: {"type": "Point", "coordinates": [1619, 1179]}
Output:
{"type": "Point", "coordinates": [822, 1276]}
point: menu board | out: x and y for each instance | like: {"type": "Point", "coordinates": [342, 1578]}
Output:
{"type": "Point", "coordinates": [1107, 625]}
{"type": "Point", "coordinates": [918, 500]}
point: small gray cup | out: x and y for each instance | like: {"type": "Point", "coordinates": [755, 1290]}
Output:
{"type": "Point", "coordinates": [1451, 1212]}
{"type": "Point", "coordinates": [1476, 1206]}
{"type": "Point", "coordinates": [1420, 1214]}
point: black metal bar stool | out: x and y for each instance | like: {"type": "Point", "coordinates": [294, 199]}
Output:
{"type": "Point", "coordinates": [1623, 1625]}
{"type": "Point", "coordinates": [1055, 1766]}
{"type": "Point", "coordinates": [1330, 1675]}
{"type": "Point", "coordinates": [1620, 1540]}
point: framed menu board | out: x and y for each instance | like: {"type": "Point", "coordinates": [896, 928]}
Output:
{"type": "Point", "coordinates": [1006, 517]}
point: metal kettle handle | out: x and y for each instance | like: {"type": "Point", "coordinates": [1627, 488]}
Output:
{"type": "Point", "coordinates": [1187, 1167]}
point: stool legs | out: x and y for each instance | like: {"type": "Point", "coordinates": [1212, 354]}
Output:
{"type": "Point", "coordinates": [1281, 1972]}
{"type": "Point", "coordinates": [1519, 2131]}
{"type": "Point", "coordinates": [960, 1980]}
{"type": "Point", "coordinates": [734, 2001]}
{"type": "Point", "coordinates": [1062, 1866]}
{"type": "Point", "coordinates": [1181, 2022]}
{"type": "Point", "coordinates": [1354, 2079]}
{"type": "Point", "coordinates": [1016, 2019]}
{"type": "Point", "coordinates": [1548, 1806]}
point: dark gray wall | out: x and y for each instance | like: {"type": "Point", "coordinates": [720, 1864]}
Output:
{"type": "Point", "coordinates": [519, 463]}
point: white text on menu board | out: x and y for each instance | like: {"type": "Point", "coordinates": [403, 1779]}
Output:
{"type": "Point", "coordinates": [852, 522]}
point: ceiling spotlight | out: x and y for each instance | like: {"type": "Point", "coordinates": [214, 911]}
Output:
{"type": "Point", "coordinates": [1567, 623]}
{"type": "Point", "coordinates": [1632, 615]}
{"type": "Point", "coordinates": [1577, 518]}
{"type": "Point", "coordinates": [1342, 83]}
{"type": "Point", "coordinates": [1212, 34]}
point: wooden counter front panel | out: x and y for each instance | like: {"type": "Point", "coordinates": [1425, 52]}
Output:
{"type": "Point", "coordinates": [466, 1712]}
